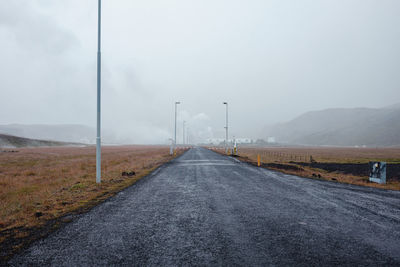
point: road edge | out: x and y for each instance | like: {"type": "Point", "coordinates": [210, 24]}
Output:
{"type": "Point", "coordinates": [17, 246]}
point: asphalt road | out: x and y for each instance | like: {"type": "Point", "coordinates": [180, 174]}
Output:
{"type": "Point", "coordinates": [208, 209]}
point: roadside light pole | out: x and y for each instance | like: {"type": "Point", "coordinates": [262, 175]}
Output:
{"type": "Point", "coordinates": [187, 136]}
{"type": "Point", "coordinates": [98, 137]}
{"type": "Point", "coordinates": [183, 133]}
{"type": "Point", "coordinates": [226, 128]}
{"type": "Point", "coordinates": [176, 105]}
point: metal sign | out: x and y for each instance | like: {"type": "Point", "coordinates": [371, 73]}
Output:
{"type": "Point", "coordinates": [377, 172]}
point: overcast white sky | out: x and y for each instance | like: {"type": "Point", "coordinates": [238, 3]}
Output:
{"type": "Point", "coordinates": [271, 60]}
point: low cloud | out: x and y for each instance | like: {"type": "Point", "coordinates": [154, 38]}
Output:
{"type": "Point", "coordinates": [271, 60]}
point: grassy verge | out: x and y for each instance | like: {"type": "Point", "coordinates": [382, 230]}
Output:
{"type": "Point", "coordinates": [345, 165]}
{"type": "Point", "coordinates": [42, 188]}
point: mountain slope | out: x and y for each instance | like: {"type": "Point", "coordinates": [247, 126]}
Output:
{"type": "Point", "coordinates": [63, 133]}
{"type": "Point", "coordinates": [341, 127]}
{"type": "Point", "coordinates": [9, 141]}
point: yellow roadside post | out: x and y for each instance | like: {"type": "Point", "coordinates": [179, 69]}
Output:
{"type": "Point", "coordinates": [258, 160]}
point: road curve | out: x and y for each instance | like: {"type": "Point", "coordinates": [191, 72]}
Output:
{"type": "Point", "coordinates": [208, 209]}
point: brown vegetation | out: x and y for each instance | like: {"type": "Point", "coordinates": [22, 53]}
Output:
{"type": "Point", "coordinates": [39, 185]}
{"type": "Point", "coordinates": [347, 165]}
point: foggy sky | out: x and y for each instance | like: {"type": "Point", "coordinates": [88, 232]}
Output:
{"type": "Point", "coordinates": [271, 60]}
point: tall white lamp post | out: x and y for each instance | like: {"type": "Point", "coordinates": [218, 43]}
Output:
{"type": "Point", "coordinates": [226, 128]}
{"type": "Point", "coordinates": [176, 105]}
{"type": "Point", "coordinates": [98, 137]}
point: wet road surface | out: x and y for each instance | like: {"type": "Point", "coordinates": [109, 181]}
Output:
{"type": "Point", "coordinates": [207, 209]}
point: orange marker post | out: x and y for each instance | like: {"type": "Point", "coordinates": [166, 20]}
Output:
{"type": "Point", "coordinates": [258, 160]}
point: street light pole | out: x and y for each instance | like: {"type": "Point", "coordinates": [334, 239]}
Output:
{"type": "Point", "coordinates": [187, 136]}
{"type": "Point", "coordinates": [98, 137]}
{"type": "Point", "coordinates": [176, 104]}
{"type": "Point", "coordinates": [226, 128]}
{"type": "Point", "coordinates": [183, 133]}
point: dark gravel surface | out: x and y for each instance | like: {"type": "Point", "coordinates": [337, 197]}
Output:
{"type": "Point", "coordinates": [208, 209]}
{"type": "Point", "coordinates": [359, 169]}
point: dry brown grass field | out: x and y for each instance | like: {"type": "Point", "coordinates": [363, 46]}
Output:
{"type": "Point", "coordinates": [326, 154]}
{"type": "Point", "coordinates": [347, 165]}
{"type": "Point", "coordinates": [39, 185]}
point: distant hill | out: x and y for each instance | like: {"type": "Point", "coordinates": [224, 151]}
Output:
{"type": "Point", "coordinates": [64, 133]}
{"type": "Point", "coordinates": [9, 141]}
{"type": "Point", "coordinates": [341, 127]}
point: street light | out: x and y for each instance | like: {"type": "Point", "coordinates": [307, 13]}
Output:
{"type": "Point", "coordinates": [98, 138]}
{"type": "Point", "coordinates": [188, 135]}
{"type": "Point", "coordinates": [183, 133]}
{"type": "Point", "coordinates": [176, 104]}
{"type": "Point", "coordinates": [226, 128]}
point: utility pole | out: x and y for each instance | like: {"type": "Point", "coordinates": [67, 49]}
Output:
{"type": "Point", "coordinates": [176, 104]}
{"type": "Point", "coordinates": [226, 128]}
{"type": "Point", "coordinates": [98, 137]}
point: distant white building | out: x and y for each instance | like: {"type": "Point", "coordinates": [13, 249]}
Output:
{"type": "Point", "coordinates": [215, 141]}
{"type": "Point", "coordinates": [244, 140]}
{"type": "Point", "coordinates": [271, 140]}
